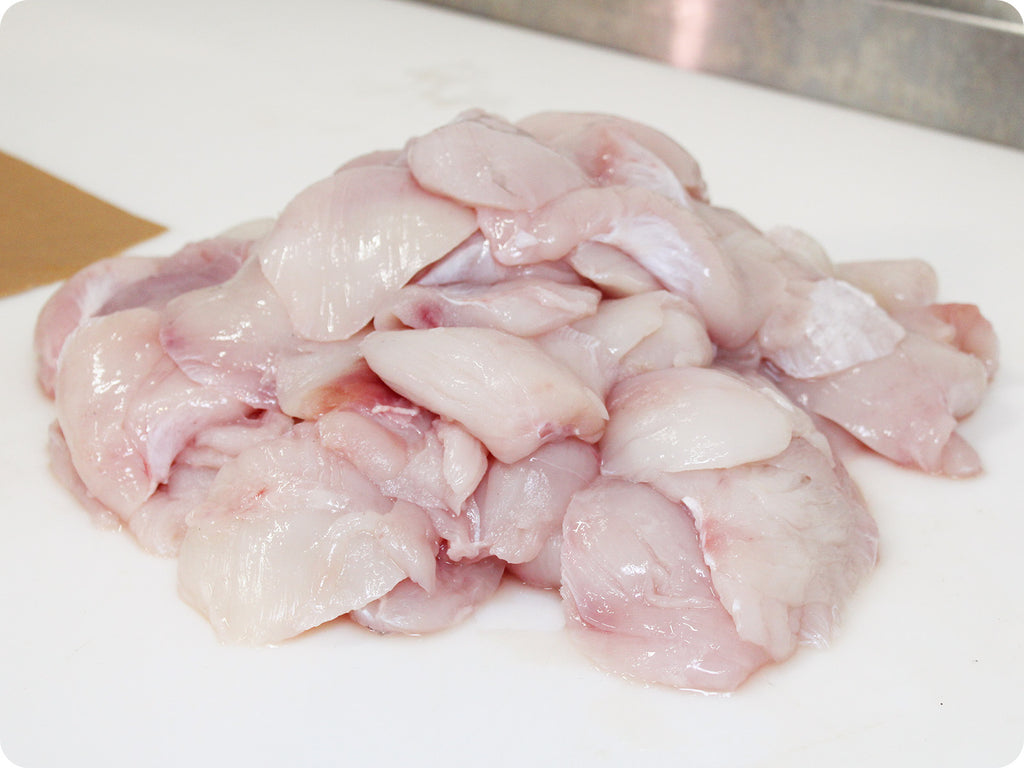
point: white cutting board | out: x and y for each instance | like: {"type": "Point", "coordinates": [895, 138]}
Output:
{"type": "Point", "coordinates": [200, 115]}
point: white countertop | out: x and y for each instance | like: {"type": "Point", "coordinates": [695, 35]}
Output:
{"type": "Point", "coordinates": [199, 115]}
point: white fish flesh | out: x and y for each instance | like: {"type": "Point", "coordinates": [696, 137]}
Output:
{"type": "Point", "coordinates": [639, 596]}
{"type": "Point", "coordinates": [343, 246]}
{"type": "Point", "coordinates": [502, 388]}
{"type": "Point", "coordinates": [291, 535]}
{"type": "Point", "coordinates": [529, 350]}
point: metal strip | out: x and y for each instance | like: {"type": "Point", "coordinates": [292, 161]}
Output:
{"type": "Point", "coordinates": [936, 66]}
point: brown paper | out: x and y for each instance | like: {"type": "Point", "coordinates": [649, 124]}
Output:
{"type": "Point", "coordinates": [50, 229]}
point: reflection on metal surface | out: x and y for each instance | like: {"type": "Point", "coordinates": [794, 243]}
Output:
{"type": "Point", "coordinates": [956, 65]}
{"type": "Point", "coordinates": [993, 9]}
{"type": "Point", "coordinates": [690, 24]}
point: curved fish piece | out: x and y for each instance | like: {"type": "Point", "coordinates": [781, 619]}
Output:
{"type": "Point", "coordinates": [905, 405]}
{"type": "Point", "coordinates": [292, 535]}
{"type": "Point", "coordinates": [523, 307]}
{"type": "Point", "coordinates": [521, 505]}
{"type": "Point", "coordinates": [681, 419]}
{"type": "Point", "coordinates": [503, 389]}
{"type": "Point", "coordinates": [343, 246]}
{"type": "Point", "coordinates": [127, 411]}
{"type": "Point", "coordinates": [733, 292]}
{"type": "Point", "coordinates": [481, 160]}
{"type": "Point", "coordinates": [229, 335]}
{"type": "Point", "coordinates": [409, 609]}
{"type": "Point", "coordinates": [128, 282]}
{"type": "Point", "coordinates": [638, 596]}
{"type": "Point", "coordinates": [612, 149]}
{"type": "Point", "coordinates": [786, 540]}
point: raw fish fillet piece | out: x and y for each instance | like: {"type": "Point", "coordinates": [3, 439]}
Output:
{"type": "Point", "coordinates": [127, 282]}
{"type": "Point", "coordinates": [63, 468]}
{"type": "Point", "coordinates": [229, 335]}
{"type": "Point", "coordinates": [80, 297]}
{"type": "Point", "coordinates": [521, 505]}
{"type": "Point", "coordinates": [125, 409]}
{"type": "Point", "coordinates": [410, 609]}
{"type": "Point", "coordinates": [522, 307]}
{"type": "Point", "coordinates": [681, 419]}
{"type": "Point", "coordinates": [825, 327]}
{"type": "Point", "coordinates": [786, 540]}
{"type": "Point", "coordinates": [197, 265]}
{"type": "Point", "coordinates": [905, 405]}
{"type": "Point", "coordinates": [734, 294]}
{"type": "Point", "coordinates": [317, 377]}
{"type": "Point", "coordinates": [895, 283]}
{"type": "Point", "coordinates": [532, 348]}
{"type": "Point", "coordinates": [611, 270]}
{"type": "Point", "coordinates": [543, 571]}
{"type": "Point", "coordinates": [587, 356]}
{"type": "Point", "coordinates": [472, 263]}
{"type": "Point", "coordinates": [639, 597]}
{"type": "Point", "coordinates": [291, 536]}
{"type": "Point", "coordinates": [605, 146]}
{"type": "Point", "coordinates": [482, 160]}
{"type": "Point", "coordinates": [804, 256]}
{"type": "Point", "coordinates": [961, 326]}
{"type": "Point", "coordinates": [217, 445]}
{"type": "Point", "coordinates": [412, 455]}
{"type": "Point", "coordinates": [503, 389]}
{"type": "Point", "coordinates": [342, 247]}
{"type": "Point", "coordinates": [158, 524]}
{"type": "Point", "coordinates": [648, 332]}
{"type": "Point", "coordinates": [408, 453]}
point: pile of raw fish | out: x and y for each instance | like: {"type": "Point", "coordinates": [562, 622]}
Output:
{"type": "Point", "coordinates": [530, 351]}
